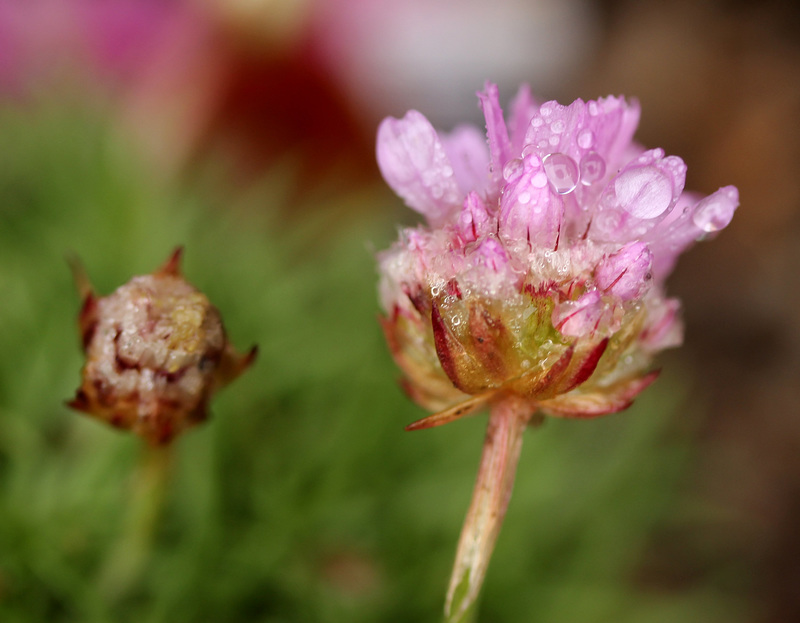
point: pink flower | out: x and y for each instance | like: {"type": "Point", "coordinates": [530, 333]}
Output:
{"type": "Point", "coordinates": [559, 229]}
{"type": "Point", "coordinates": [538, 284]}
{"type": "Point", "coordinates": [558, 216]}
{"type": "Point", "coordinates": [115, 41]}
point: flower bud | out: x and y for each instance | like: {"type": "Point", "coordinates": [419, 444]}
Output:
{"type": "Point", "coordinates": [156, 351]}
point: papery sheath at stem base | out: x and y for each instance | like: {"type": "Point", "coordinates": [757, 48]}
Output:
{"type": "Point", "coordinates": [501, 448]}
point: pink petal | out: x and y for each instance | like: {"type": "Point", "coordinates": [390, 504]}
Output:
{"type": "Point", "coordinates": [499, 143]}
{"type": "Point", "coordinates": [638, 198]}
{"type": "Point", "coordinates": [626, 273]}
{"type": "Point", "coordinates": [413, 162]}
{"type": "Point", "coordinates": [523, 108]}
{"type": "Point", "coordinates": [694, 220]}
{"type": "Point", "coordinates": [604, 127]}
{"type": "Point", "coordinates": [664, 328]}
{"type": "Point", "coordinates": [474, 220]}
{"type": "Point", "coordinates": [492, 255]}
{"type": "Point", "coordinates": [612, 122]}
{"type": "Point", "coordinates": [554, 128]}
{"type": "Point", "coordinates": [579, 318]}
{"type": "Point", "coordinates": [528, 207]}
{"type": "Point", "coordinates": [465, 147]}
{"type": "Point", "coordinates": [715, 212]}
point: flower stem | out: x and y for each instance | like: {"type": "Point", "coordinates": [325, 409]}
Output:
{"type": "Point", "coordinates": [501, 447]}
{"type": "Point", "coordinates": [128, 556]}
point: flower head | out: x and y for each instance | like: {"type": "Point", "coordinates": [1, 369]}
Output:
{"type": "Point", "coordinates": [537, 284]}
{"type": "Point", "coordinates": [156, 351]}
{"type": "Point", "coordinates": [540, 272]}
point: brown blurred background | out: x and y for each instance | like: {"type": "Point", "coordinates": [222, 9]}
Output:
{"type": "Point", "coordinates": [720, 85]}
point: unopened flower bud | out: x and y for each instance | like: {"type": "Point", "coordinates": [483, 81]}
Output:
{"type": "Point", "coordinates": [156, 351]}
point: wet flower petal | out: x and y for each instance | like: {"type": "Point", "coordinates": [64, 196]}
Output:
{"type": "Point", "coordinates": [626, 273]}
{"type": "Point", "coordinates": [413, 162]}
{"type": "Point", "coordinates": [693, 219]}
{"type": "Point", "coordinates": [529, 210]}
{"type": "Point", "coordinates": [499, 143]}
{"type": "Point", "coordinates": [642, 194]}
{"type": "Point", "coordinates": [554, 128]}
{"type": "Point", "coordinates": [474, 220]}
{"type": "Point", "coordinates": [523, 108]}
{"type": "Point", "coordinates": [715, 211]}
{"type": "Point", "coordinates": [579, 317]}
{"type": "Point", "coordinates": [465, 148]}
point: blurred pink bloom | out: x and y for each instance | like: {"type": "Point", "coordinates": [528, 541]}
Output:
{"type": "Point", "coordinates": [186, 76]}
{"type": "Point", "coordinates": [116, 41]}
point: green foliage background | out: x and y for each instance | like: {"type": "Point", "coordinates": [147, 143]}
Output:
{"type": "Point", "coordinates": [302, 500]}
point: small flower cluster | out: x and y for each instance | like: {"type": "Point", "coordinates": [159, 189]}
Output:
{"type": "Point", "coordinates": [540, 273]}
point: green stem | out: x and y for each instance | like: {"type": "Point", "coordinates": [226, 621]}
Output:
{"type": "Point", "coordinates": [501, 448]}
{"type": "Point", "coordinates": [127, 558]}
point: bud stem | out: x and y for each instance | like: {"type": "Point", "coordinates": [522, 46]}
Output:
{"type": "Point", "coordinates": [507, 421]}
{"type": "Point", "coordinates": [128, 557]}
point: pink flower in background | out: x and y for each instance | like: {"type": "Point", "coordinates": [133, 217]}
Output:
{"type": "Point", "coordinates": [186, 77]}
{"type": "Point", "coordinates": [115, 40]}
{"type": "Point", "coordinates": [537, 285]}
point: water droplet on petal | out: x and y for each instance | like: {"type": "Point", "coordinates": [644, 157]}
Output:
{"type": "Point", "coordinates": [524, 198]}
{"type": "Point", "coordinates": [562, 171]}
{"type": "Point", "coordinates": [607, 222]}
{"type": "Point", "coordinates": [512, 170]}
{"type": "Point", "coordinates": [713, 213]}
{"type": "Point", "coordinates": [643, 192]}
{"type": "Point", "coordinates": [585, 138]}
{"type": "Point", "coordinates": [593, 168]}
{"type": "Point", "coordinates": [539, 180]}
{"type": "Point", "coordinates": [558, 126]}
